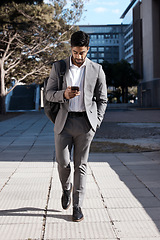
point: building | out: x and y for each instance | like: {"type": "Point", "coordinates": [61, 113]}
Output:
{"type": "Point", "coordinates": [106, 42]}
{"type": "Point", "coordinates": [146, 48]}
{"type": "Point", "coordinates": [127, 17]}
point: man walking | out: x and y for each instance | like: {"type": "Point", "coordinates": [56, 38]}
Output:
{"type": "Point", "coordinates": [81, 112]}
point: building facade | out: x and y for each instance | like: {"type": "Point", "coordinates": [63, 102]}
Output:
{"type": "Point", "coordinates": [146, 49]}
{"type": "Point", "coordinates": [127, 17]}
{"type": "Point", "coordinates": [106, 42]}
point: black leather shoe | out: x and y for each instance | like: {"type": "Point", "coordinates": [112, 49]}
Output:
{"type": "Point", "coordinates": [77, 214]}
{"type": "Point", "coordinates": [66, 198]}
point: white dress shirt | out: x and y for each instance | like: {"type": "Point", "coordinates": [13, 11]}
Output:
{"type": "Point", "coordinates": [77, 74]}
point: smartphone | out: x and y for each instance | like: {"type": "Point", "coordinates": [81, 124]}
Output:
{"type": "Point", "coordinates": [74, 88]}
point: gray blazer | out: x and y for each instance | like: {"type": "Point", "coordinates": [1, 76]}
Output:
{"type": "Point", "coordinates": [95, 94]}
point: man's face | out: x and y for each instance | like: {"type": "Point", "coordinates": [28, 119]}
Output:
{"type": "Point", "coordinates": [79, 55]}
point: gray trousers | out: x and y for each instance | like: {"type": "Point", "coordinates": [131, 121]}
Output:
{"type": "Point", "coordinates": [77, 134]}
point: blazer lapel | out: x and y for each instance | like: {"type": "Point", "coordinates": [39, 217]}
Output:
{"type": "Point", "coordinates": [87, 74]}
{"type": "Point", "coordinates": [66, 76]}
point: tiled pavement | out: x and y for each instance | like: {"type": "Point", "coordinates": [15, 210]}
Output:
{"type": "Point", "coordinates": [122, 199]}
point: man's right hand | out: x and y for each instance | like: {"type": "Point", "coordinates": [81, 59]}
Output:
{"type": "Point", "coordinates": [68, 94]}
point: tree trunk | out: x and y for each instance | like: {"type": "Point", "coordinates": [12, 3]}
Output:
{"type": "Point", "coordinates": [126, 94]}
{"type": "Point", "coordinates": [2, 90]}
{"type": "Point", "coordinates": [122, 94]}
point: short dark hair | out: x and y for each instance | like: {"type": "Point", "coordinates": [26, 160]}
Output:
{"type": "Point", "coordinates": [79, 39]}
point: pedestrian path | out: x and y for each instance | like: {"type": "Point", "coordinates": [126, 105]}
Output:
{"type": "Point", "coordinates": [122, 198]}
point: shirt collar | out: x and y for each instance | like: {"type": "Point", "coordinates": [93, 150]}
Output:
{"type": "Point", "coordinates": [71, 64]}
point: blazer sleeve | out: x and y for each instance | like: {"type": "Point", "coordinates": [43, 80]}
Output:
{"type": "Point", "coordinates": [101, 95]}
{"type": "Point", "coordinates": [52, 92]}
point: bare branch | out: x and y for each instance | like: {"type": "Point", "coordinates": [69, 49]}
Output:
{"type": "Point", "coordinates": [24, 14]}
{"type": "Point", "coordinates": [13, 65]}
{"type": "Point", "coordinates": [8, 45]}
{"type": "Point", "coordinates": [33, 72]}
{"type": "Point", "coordinates": [12, 88]}
{"type": "Point", "coordinates": [7, 56]}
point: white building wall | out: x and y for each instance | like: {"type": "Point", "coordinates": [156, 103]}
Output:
{"type": "Point", "coordinates": [146, 11]}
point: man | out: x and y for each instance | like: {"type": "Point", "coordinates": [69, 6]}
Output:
{"type": "Point", "coordinates": [81, 113]}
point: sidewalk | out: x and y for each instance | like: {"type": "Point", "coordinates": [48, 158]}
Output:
{"type": "Point", "coordinates": [122, 200]}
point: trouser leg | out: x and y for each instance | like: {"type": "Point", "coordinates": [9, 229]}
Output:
{"type": "Point", "coordinates": [80, 158]}
{"type": "Point", "coordinates": [77, 133]}
{"type": "Point", "coordinates": [63, 144]}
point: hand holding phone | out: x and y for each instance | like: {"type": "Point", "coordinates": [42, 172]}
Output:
{"type": "Point", "coordinates": [71, 92]}
{"type": "Point", "coordinates": [75, 88]}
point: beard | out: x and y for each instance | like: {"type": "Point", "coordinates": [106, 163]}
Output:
{"type": "Point", "coordinates": [77, 61]}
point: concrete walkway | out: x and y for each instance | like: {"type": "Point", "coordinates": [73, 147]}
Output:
{"type": "Point", "coordinates": [122, 198]}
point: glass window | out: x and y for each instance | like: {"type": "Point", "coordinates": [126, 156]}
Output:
{"type": "Point", "coordinates": [94, 60]}
{"type": "Point", "coordinates": [93, 37]}
{"type": "Point", "coordinates": [100, 36]}
{"type": "Point", "coordinates": [93, 49]}
{"type": "Point", "coordinates": [100, 60]}
{"type": "Point", "coordinates": [108, 49]}
{"type": "Point", "coordinates": [93, 55]}
{"type": "Point", "coordinates": [101, 49]}
{"type": "Point", "coordinates": [101, 54]}
{"type": "Point", "coordinates": [108, 36]}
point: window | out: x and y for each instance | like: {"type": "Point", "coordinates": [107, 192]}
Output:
{"type": "Point", "coordinates": [101, 55]}
{"type": "Point", "coordinates": [101, 49]}
{"type": "Point", "coordinates": [93, 49]}
{"type": "Point", "coordinates": [108, 49]}
{"type": "Point", "coordinates": [100, 60]}
{"type": "Point", "coordinates": [100, 36]}
{"type": "Point", "coordinates": [94, 60]}
{"type": "Point", "coordinates": [93, 55]}
{"type": "Point", "coordinates": [93, 37]}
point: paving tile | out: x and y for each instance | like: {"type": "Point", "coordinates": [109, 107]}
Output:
{"type": "Point", "coordinates": [122, 203]}
{"type": "Point", "coordinates": [153, 171]}
{"type": "Point", "coordinates": [93, 203]}
{"type": "Point", "coordinates": [141, 238]}
{"type": "Point", "coordinates": [129, 214]}
{"type": "Point", "coordinates": [21, 216]}
{"type": "Point", "coordinates": [103, 170]}
{"type": "Point", "coordinates": [90, 215]}
{"type": "Point", "coordinates": [153, 155]}
{"type": "Point", "coordinates": [128, 181]}
{"type": "Point", "coordinates": [136, 229]}
{"type": "Point", "coordinates": [20, 231]}
{"type": "Point", "coordinates": [111, 184]}
{"type": "Point", "coordinates": [154, 213]}
{"type": "Point", "coordinates": [149, 201]}
{"type": "Point", "coordinates": [82, 230]}
{"type": "Point", "coordinates": [122, 195]}
{"type": "Point", "coordinates": [18, 204]}
{"type": "Point", "coordinates": [155, 191]}
{"type": "Point", "coordinates": [34, 180]}
{"type": "Point", "coordinates": [126, 193]}
{"type": "Point", "coordinates": [25, 195]}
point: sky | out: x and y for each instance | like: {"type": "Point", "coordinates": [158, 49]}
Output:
{"type": "Point", "coordinates": [103, 12]}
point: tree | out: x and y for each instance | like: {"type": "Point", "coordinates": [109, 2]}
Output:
{"type": "Point", "coordinates": [32, 37]}
{"type": "Point", "coordinates": [121, 74]}
{"type": "Point", "coordinates": [125, 76]}
{"type": "Point", "coordinates": [3, 2]}
{"type": "Point", "coordinates": [108, 69]}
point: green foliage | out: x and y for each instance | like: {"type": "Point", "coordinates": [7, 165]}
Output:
{"type": "Point", "coordinates": [5, 2]}
{"type": "Point", "coordinates": [124, 75]}
{"type": "Point", "coordinates": [33, 36]}
{"type": "Point", "coordinates": [108, 69]}
{"type": "Point", "coordinates": [120, 75]}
